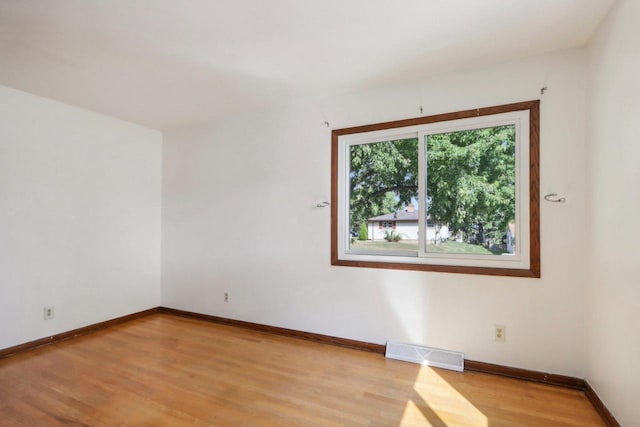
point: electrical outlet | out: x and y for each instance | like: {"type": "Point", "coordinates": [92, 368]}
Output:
{"type": "Point", "coordinates": [226, 297]}
{"type": "Point", "coordinates": [500, 333]}
{"type": "Point", "coordinates": [48, 313]}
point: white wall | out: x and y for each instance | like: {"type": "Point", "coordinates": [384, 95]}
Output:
{"type": "Point", "coordinates": [613, 300]}
{"type": "Point", "coordinates": [79, 217]}
{"type": "Point", "coordinates": [238, 216]}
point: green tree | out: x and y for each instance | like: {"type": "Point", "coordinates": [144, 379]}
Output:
{"type": "Point", "coordinates": [363, 233]}
{"type": "Point", "coordinates": [470, 180]}
{"type": "Point", "coordinates": [383, 177]}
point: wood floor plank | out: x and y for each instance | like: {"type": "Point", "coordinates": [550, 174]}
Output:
{"type": "Point", "coordinates": [175, 371]}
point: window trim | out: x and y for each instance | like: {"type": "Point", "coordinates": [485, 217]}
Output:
{"type": "Point", "coordinates": [534, 191]}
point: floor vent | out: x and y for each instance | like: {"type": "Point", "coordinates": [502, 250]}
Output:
{"type": "Point", "coordinates": [425, 356]}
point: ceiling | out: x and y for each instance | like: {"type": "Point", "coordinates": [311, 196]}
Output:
{"type": "Point", "coordinates": [173, 63]}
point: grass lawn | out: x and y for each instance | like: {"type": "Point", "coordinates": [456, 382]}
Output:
{"type": "Point", "coordinates": [383, 245]}
{"type": "Point", "coordinates": [450, 247]}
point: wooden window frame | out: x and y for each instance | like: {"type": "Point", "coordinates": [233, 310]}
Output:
{"type": "Point", "coordinates": [532, 271]}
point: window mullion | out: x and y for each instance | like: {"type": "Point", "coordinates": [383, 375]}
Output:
{"type": "Point", "coordinates": [422, 194]}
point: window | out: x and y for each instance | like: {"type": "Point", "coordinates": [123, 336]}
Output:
{"type": "Point", "coordinates": [450, 193]}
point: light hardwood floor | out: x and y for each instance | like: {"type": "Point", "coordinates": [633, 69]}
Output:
{"type": "Point", "coordinates": [164, 370]}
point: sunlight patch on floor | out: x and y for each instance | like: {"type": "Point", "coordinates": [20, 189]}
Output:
{"type": "Point", "coordinates": [435, 402]}
{"type": "Point", "coordinates": [413, 416]}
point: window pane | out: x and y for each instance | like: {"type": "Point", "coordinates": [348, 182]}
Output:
{"type": "Point", "coordinates": [383, 185]}
{"type": "Point", "coordinates": [471, 194]}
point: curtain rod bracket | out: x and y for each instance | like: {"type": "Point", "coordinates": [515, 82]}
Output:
{"type": "Point", "coordinates": [553, 198]}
